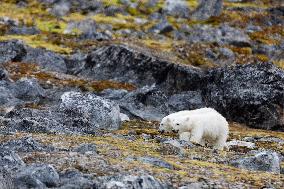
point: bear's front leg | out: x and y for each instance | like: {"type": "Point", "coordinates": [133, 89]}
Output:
{"type": "Point", "coordinates": [185, 136]}
{"type": "Point", "coordinates": [196, 135]}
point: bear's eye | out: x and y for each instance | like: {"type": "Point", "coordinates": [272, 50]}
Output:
{"type": "Point", "coordinates": [162, 124]}
{"type": "Point", "coordinates": [177, 123]}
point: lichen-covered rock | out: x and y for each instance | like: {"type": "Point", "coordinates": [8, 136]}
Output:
{"type": "Point", "coordinates": [263, 161]}
{"type": "Point", "coordinates": [98, 112]}
{"type": "Point", "coordinates": [23, 30]}
{"type": "Point", "coordinates": [11, 51]}
{"type": "Point", "coordinates": [86, 148]}
{"type": "Point", "coordinates": [125, 181]}
{"type": "Point", "coordinates": [156, 162]}
{"type": "Point", "coordinates": [37, 176]}
{"type": "Point", "coordinates": [251, 94]}
{"type": "Point", "coordinates": [162, 27]}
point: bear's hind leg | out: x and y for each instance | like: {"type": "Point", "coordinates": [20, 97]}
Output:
{"type": "Point", "coordinates": [220, 143]}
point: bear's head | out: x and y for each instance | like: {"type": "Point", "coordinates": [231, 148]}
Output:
{"type": "Point", "coordinates": [165, 125]}
{"type": "Point", "coordinates": [182, 124]}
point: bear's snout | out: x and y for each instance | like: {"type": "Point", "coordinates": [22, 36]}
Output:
{"type": "Point", "coordinates": [174, 131]}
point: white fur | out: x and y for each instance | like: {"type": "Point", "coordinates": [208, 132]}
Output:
{"type": "Point", "coordinates": [167, 122]}
{"type": "Point", "coordinates": [209, 127]}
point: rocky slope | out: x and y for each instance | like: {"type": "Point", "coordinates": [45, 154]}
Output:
{"type": "Point", "coordinates": [84, 84]}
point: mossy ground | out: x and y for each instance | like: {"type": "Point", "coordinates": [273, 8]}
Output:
{"type": "Point", "coordinates": [193, 164]}
{"type": "Point", "coordinates": [53, 38]}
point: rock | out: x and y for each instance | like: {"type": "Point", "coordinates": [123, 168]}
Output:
{"type": "Point", "coordinates": [37, 176]}
{"type": "Point", "coordinates": [75, 63]}
{"type": "Point", "coordinates": [99, 113]}
{"type": "Point", "coordinates": [206, 9]}
{"type": "Point", "coordinates": [188, 100]}
{"type": "Point", "coordinates": [11, 51]}
{"type": "Point", "coordinates": [128, 181]}
{"type": "Point", "coordinates": [6, 180]}
{"type": "Point", "coordinates": [61, 9]}
{"type": "Point", "coordinates": [7, 98]}
{"type": "Point", "coordinates": [75, 180]}
{"type": "Point", "coordinates": [23, 30]}
{"type": "Point", "coordinates": [28, 90]}
{"type": "Point", "coordinates": [124, 64]}
{"type": "Point", "coordinates": [251, 94]}
{"type": "Point", "coordinates": [146, 103]}
{"type": "Point", "coordinates": [263, 161]}
{"type": "Point", "coordinates": [26, 144]}
{"type": "Point", "coordinates": [9, 160]}
{"type": "Point", "coordinates": [156, 162]}
{"type": "Point", "coordinates": [86, 148]}
{"type": "Point", "coordinates": [47, 60]}
{"type": "Point", "coordinates": [240, 144]}
{"type": "Point", "coordinates": [178, 8]}
{"type": "Point", "coordinates": [162, 27]}
{"type": "Point", "coordinates": [8, 21]}
{"type": "Point", "coordinates": [222, 35]}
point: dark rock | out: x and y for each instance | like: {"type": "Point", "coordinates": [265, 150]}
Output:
{"type": "Point", "coordinates": [26, 144]}
{"type": "Point", "coordinates": [123, 64]}
{"type": "Point", "coordinates": [186, 101]}
{"type": "Point", "coordinates": [128, 181]}
{"type": "Point", "coordinates": [75, 63]}
{"type": "Point", "coordinates": [11, 51]}
{"type": "Point", "coordinates": [23, 30]}
{"type": "Point", "coordinates": [251, 94]}
{"type": "Point", "coordinates": [98, 112]}
{"type": "Point", "coordinates": [178, 8]}
{"type": "Point", "coordinates": [47, 60]}
{"type": "Point", "coordinates": [7, 98]}
{"type": "Point", "coordinates": [28, 90]}
{"type": "Point", "coordinates": [206, 9]}
{"type": "Point", "coordinates": [162, 27]}
{"type": "Point", "coordinates": [156, 162]}
{"type": "Point", "coordinates": [85, 148]}
{"type": "Point", "coordinates": [9, 160]}
{"type": "Point", "coordinates": [263, 161]}
{"type": "Point", "coordinates": [146, 103]}
{"type": "Point", "coordinates": [75, 180]}
{"type": "Point", "coordinates": [37, 176]}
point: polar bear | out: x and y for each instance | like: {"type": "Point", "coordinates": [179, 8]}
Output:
{"type": "Point", "coordinates": [210, 127]}
{"type": "Point", "coordinates": [166, 123]}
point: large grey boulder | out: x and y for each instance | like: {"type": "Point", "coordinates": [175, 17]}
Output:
{"type": "Point", "coordinates": [98, 112]}
{"type": "Point", "coordinates": [263, 161]}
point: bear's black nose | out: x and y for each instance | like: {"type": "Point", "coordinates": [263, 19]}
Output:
{"type": "Point", "coordinates": [174, 131]}
{"type": "Point", "coordinates": [162, 131]}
